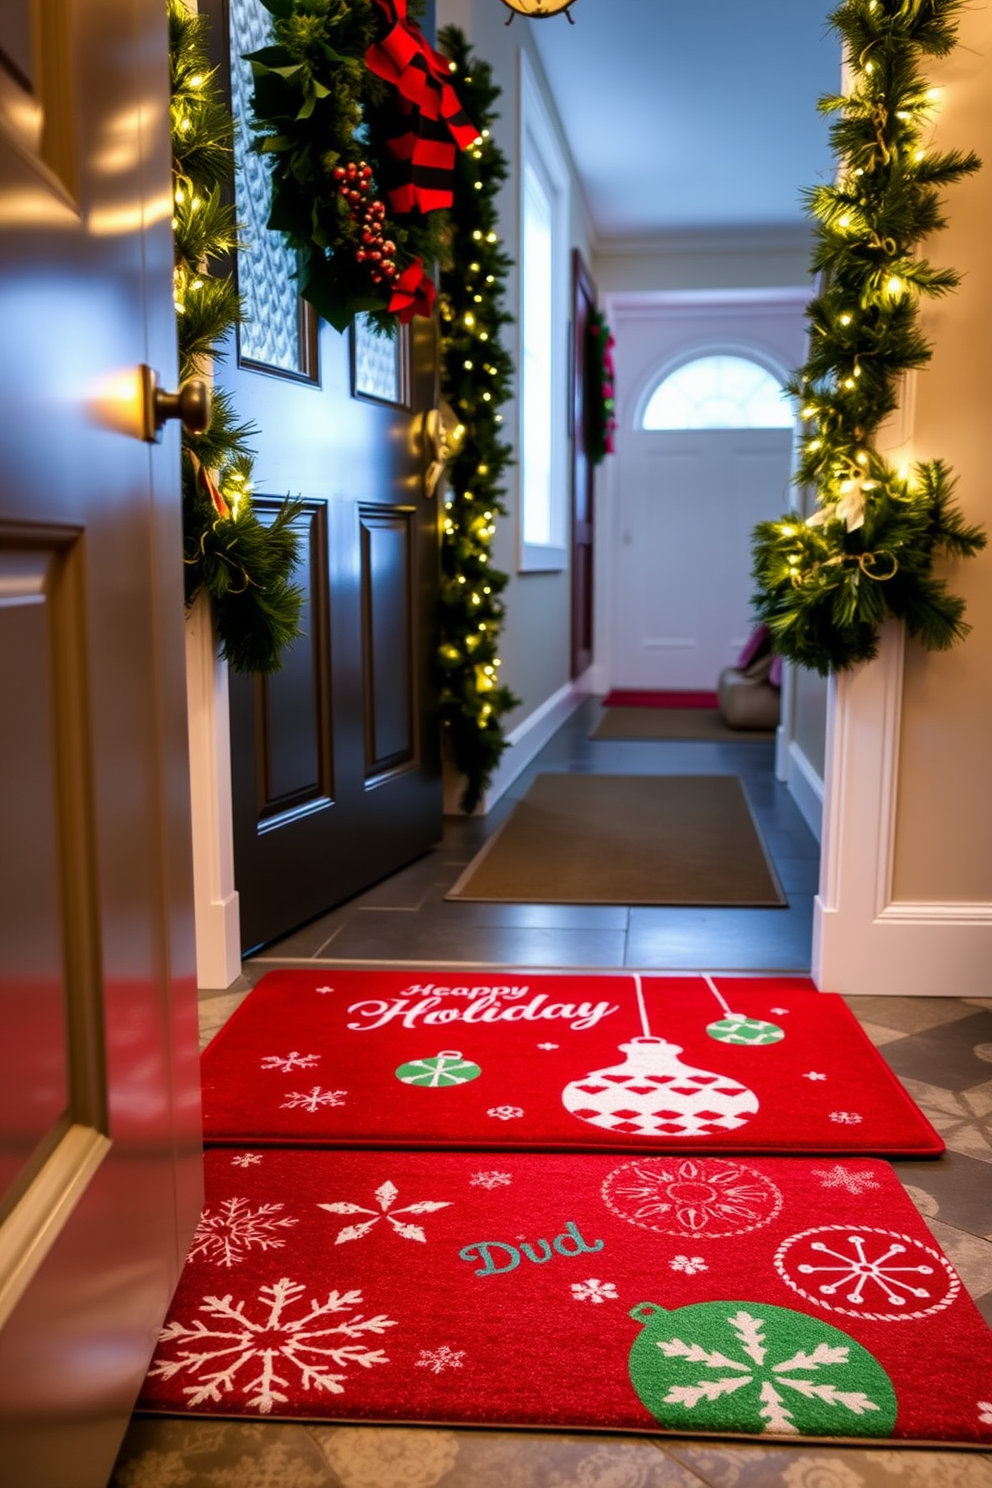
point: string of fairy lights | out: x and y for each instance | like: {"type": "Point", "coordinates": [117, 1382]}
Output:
{"type": "Point", "coordinates": [476, 380]}
{"type": "Point", "coordinates": [245, 565]}
{"type": "Point", "coordinates": [867, 552]}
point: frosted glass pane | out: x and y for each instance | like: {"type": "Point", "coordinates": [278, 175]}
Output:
{"type": "Point", "coordinates": [378, 362]}
{"type": "Point", "coordinates": [718, 392]}
{"type": "Point", "coordinates": [537, 367]}
{"type": "Point", "coordinates": [270, 334]}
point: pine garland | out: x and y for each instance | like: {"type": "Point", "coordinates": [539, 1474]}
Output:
{"type": "Point", "coordinates": [867, 553]}
{"type": "Point", "coordinates": [244, 565]}
{"type": "Point", "coordinates": [323, 119]}
{"type": "Point", "coordinates": [600, 402]}
{"type": "Point", "coordinates": [476, 380]}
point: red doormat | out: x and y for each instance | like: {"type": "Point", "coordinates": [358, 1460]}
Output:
{"type": "Point", "coordinates": [495, 1059]}
{"type": "Point", "coordinates": [618, 698]}
{"type": "Point", "coordinates": [785, 1298]}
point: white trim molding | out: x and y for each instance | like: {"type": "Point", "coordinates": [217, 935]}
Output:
{"type": "Point", "coordinates": [215, 899]}
{"type": "Point", "coordinates": [864, 942]}
{"type": "Point", "coordinates": [806, 789]}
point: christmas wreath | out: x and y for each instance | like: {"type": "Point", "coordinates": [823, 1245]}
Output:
{"type": "Point", "coordinates": [362, 126]}
{"type": "Point", "coordinates": [599, 392]}
{"type": "Point", "coordinates": [867, 553]}
{"type": "Point", "coordinates": [244, 565]}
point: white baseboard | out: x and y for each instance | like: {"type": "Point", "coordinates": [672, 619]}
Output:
{"type": "Point", "coordinates": [522, 744]}
{"type": "Point", "coordinates": [806, 788]}
{"type": "Point", "coordinates": [909, 950]}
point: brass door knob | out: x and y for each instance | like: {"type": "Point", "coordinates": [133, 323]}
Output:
{"type": "Point", "coordinates": [191, 404]}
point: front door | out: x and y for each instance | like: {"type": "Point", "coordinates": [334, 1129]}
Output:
{"type": "Point", "coordinates": [688, 501]}
{"type": "Point", "coordinates": [335, 759]}
{"type": "Point", "coordinates": [99, 1094]}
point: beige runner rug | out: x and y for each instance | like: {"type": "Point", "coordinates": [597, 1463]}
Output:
{"type": "Point", "coordinates": [626, 839]}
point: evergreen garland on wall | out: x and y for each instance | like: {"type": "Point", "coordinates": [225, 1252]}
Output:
{"type": "Point", "coordinates": [476, 380]}
{"type": "Point", "coordinates": [244, 565]}
{"type": "Point", "coordinates": [867, 553]}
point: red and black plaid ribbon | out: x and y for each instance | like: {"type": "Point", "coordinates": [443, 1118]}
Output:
{"type": "Point", "coordinates": [432, 113]}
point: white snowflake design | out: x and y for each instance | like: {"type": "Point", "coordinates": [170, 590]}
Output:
{"type": "Point", "coordinates": [439, 1359]}
{"type": "Point", "coordinates": [985, 1412]}
{"type": "Point", "coordinates": [852, 1180]}
{"type": "Point", "coordinates": [286, 1063]}
{"type": "Point", "coordinates": [689, 1264]}
{"type": "Point", "coordinates": [594, 1290]}
{"type": "Point", "coordinates": [780, 1011]}
{"type": "Point", "coordinates": [505, 1113]}
{"type": "Point", "coordinates": [772, 1379]}
{"type": "Point", "coordinates": [491, 1179]}
{"type": "Point", "coordinates": [846, 1118]}
{"type": "Point", "coordinates": [246, 1160]}
{"type": "Point", "coordinates": [548, 1046]}
{"type": "Point", "coordinates": [237, 1355]}
{"type": "Point", "coordinates": [867, 1266]}
{"type": "Point", "coordinates": [226, 1234]}
{"type": "Point", "coordinates": [386, 1193]}
{"type": "Point", "coordinates": [325, 989]}
{"type": "Point", "coordinates": [814, 1075]}
{"type": "Point", "coordinates": [313, 1100]}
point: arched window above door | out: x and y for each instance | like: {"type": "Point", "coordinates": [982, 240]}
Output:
{"type": "Point", "coordinates": [720, 391]}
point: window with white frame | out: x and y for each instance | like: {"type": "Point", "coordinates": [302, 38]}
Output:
{"type": "Point", "coordinates": [543, 330]}
{"type": "Point", "coordinates": [720, 391]}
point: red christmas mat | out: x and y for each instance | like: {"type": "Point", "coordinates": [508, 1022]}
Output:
{"type": "Point", "coordinates": [503, 1060]}
{"type": "Point", "coordinates": [785, 1298]}
{"type": "Point", "coordinates": [621, 699]}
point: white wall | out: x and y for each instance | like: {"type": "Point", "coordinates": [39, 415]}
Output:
{"type": "Point", "coordinates": [745, 259]}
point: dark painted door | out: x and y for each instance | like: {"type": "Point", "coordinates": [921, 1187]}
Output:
{"type": "Point", "coordinates": [583, 301]}
{"type": "Point", "coordinates": [335, 759]}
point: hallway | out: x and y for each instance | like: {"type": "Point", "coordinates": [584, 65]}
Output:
{"type": "Point", "coordinates": [406, 921]}
{"type": "Point", "coordinates": [940, 1047]}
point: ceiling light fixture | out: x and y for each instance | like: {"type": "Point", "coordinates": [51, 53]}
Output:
{"type": "Point", "coordinates": [539, 9]}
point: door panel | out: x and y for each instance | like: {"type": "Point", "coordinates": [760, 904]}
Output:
{"type": "Point", "coordinates": [99, 1121]}
{"type": "Point", "coordinates": [688, 503]}
{"type": "Point", "coordinates": [388, 638]}
{"type": "Point", "coordinates": [294, 766]}
{"type": "Point", "coordinates": [336, 760]}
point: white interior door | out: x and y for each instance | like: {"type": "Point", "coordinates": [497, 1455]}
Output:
{"type": "Point", "coordinates": [687, 502]}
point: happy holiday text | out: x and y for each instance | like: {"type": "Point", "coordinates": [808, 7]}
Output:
{"type": "Point", "coordinates": [423, 1004]}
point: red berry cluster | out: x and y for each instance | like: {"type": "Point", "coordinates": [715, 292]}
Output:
{"type": "Point", "coordinates": [355, 185]}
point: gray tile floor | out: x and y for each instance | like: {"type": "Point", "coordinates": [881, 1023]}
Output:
{"type": "Point", "coordinates": [940, 1047]}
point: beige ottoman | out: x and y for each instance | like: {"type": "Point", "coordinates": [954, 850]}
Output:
{"type": "Point", "coordinates": [747, 698]}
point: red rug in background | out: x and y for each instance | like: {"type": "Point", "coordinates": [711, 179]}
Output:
{"type": "Point", "coordinates": [778, 1298]}
{"type": "Point", "coordinates": [620, 699]}
{"type": "Point", "coordinates": [497, 1059]}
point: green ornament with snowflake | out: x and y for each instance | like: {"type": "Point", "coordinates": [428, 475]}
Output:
{"type": "Point", "coordinates": [736, 1029]}
{"type": "Point", "coordinates": [750, 1368]}
{"type": "Point", "coordinates": [444, 1069]}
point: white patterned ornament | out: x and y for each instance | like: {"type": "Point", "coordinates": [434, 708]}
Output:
{"type": "Point", "coordinates": [653, 1094]}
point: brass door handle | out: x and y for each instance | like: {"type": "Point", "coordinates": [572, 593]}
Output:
{"type": "Point", "coordinates": [191, 404]}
